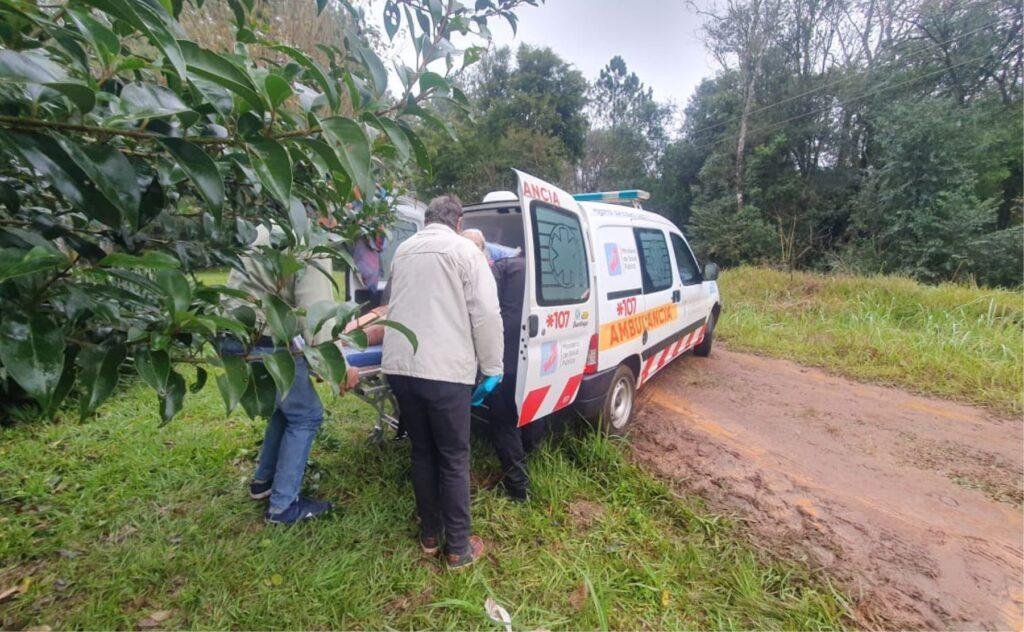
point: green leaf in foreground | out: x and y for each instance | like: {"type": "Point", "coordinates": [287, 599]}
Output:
{"type": "Point", "coordinates": [272, 164]}
{"type": "Point", "coordinates": [281, 366]}
{"type": "Point", "coordinates": [153, 367]}
{"type": "Point", "coordinates": [32, 352]}
{"type": "Point", "coordinates": [14, 264]}
{"type": "Point", "coordinates": [234, 381]}
{"type": "Point", "coordinates": [281, 319]}
{"type": "Point", "coordinates": [350, 144]}
{"type": "Point", "coordinates": [260, 397]}
{"type": "Point", "coordinates": [98, 376]}
{"type": "Point", "coordinates": [173, 398]}
{"type": "Point", "coordinates": [402, 329]}
{"type": "Point", "coordinates": [200, 169]}
{"type": "Point", "coordinates": [327, 361]}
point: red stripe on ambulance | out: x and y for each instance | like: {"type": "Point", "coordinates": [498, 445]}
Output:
{"type": "Point", "coordinates": [569, 392]}
{"type": "Point", "coordinates": [532, 404]}
{"type": "Point", "coordinates": [664, 357]}
{"type": "Point", "coordinates": [647, 369]}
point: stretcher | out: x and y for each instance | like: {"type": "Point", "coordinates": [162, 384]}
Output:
{"type": "Point", "coordinates": [373, 389]}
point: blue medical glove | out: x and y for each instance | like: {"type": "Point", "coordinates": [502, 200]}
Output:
{"type": "Point", "coordinates": [483, 389]}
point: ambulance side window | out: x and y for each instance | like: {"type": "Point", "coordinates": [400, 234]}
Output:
{"type": "Point", "coordinates": [689, 273]}
{"type": "Point", "coordinates": [562, 276]}
{"type": "Point", "coordinates": [655, 262]}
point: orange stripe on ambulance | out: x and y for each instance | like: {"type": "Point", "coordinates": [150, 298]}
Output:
{"type": "Point", "coordinates": [626, 329]}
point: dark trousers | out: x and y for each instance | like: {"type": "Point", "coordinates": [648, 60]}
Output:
{"type": "Point", "coordinates": [436, 416]}
{"type": "Point", "coordinates": [505, 435]}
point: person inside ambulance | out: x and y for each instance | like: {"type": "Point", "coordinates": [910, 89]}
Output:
{"type": "Point", "coordinates": [443, 290]}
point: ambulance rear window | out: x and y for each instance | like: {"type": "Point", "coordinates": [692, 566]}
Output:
{"type": "Point", "coordinates": [562, 277]}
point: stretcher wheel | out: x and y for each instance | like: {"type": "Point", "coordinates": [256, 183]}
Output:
{"type": "Point", "coordinates": [377, 436]}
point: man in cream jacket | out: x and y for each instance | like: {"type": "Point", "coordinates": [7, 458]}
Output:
{"type": "Point", "coordinates": [443, 290]}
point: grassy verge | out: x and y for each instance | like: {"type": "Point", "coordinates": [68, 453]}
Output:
{"type": "Point", "coordinates": [105, 523]}
{"type": "Point", "coordinates": [954, 341]}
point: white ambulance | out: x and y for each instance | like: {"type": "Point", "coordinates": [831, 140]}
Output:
{"type": "Point", "coordinates": [613, 294]}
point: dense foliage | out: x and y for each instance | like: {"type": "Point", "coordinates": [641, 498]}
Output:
{"type": "Point", "coordinates": [132, 156]}
{"type": "Point", "coordinates": [863, 135]}
{"type": "Point", "coordinates": [529, 115]}
{"type": "Point", "coordinates": [874, 136]}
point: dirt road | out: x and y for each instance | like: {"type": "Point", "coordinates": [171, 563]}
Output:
{"type": "Point", "coordinates": [913, 503]}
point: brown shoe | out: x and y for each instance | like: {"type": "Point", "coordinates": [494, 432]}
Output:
{"type": "Point", "coordinates": [430, 545]}
{"type": "Point", "coordinates": [458, 562]}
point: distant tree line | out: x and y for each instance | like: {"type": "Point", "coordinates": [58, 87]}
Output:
{"type": "Point", "coordinates": [856, 135]}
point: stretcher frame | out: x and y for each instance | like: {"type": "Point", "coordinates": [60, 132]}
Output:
{"type": "Point", "coordinates": [373, 389]}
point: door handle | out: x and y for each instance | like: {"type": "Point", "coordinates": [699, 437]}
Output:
{"type": "Point", "coordinates": [676, 296]}
{"type": "Point", "coordinates": [643, 340]}
{"type": "Point", "coordinates": [533, 325]}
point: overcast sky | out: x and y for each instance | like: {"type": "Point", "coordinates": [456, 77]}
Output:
{"type": "Point", "coordinates": [659, 39]}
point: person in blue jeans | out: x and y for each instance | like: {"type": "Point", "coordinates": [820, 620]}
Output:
{"type": "Point", "coordinates": [287, 441]}
{"type": "Point", "coordinates": [298, 413]}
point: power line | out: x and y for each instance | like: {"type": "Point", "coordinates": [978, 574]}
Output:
{"type": "Point", "coordinates": [883, 88]}
{"type": "Point", "coordinates": [836, 82]}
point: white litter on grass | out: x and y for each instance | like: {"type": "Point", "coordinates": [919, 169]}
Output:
{"type": "Point", "coordinates": [498, 614]}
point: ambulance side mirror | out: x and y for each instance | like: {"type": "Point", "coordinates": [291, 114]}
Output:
{"type": "Point", "coordinates": [710, 271]}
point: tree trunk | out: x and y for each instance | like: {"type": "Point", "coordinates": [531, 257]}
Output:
{"type": "Point", "coordinates": [752, 63]}
{"type": "Point", "coordinates": [741, 145]}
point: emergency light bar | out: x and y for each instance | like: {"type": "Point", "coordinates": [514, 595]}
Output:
{"type": "Point", "coordinates": [634, 195]}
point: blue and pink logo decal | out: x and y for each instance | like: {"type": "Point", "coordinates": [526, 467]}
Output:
{"type": "Point", "coordinates": [611, 254]}
{"type": "Point", "coordinates": [548, 358]}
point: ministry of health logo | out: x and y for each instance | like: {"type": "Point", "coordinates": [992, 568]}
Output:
{"type": "Point", "coordinates": [611, 254]}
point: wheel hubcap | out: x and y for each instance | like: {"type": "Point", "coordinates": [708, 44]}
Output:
{"type": "Point", "coordinates": [622, 403]}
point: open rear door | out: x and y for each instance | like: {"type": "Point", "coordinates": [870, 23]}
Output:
{"type": "Point", "coordinates": [558, 313]}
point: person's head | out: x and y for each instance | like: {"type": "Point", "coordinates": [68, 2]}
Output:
{"type": "Point", "coordinates": [445, 209]}
{"type": "Point", "coordinates": [475, 236]}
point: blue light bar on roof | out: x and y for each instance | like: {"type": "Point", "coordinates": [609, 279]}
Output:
{"type": "Point", "coordinates": [612, 196]}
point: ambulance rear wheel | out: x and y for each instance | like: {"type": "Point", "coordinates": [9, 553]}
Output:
{"type": "Point", "coordinates": [704, 348]}
{"type": "Point", "coordinates": [619, 402]}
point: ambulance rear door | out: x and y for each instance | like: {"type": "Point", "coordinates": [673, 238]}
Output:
{"type": "Point", "coordinates": [558, 311]}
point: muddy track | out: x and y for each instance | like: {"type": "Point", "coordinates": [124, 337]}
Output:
{"type": "Point", "coordinates": [912, 503]}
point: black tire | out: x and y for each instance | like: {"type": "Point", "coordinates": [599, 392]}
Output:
{"type": "Point", "coordinates": [619, 402]}
{"type": "Point", "coordinates": [704, 348]}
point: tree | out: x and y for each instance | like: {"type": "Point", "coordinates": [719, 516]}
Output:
{"type": "Point", "coordinates": [542, 92]}
{"type": "Point", "coordinates": [744, 32]}
{"type": "Point", "coordinates": [527, 116]}
{"type": "Point", "coordinates": [800, 138]}
{"type": "Point", "coordinates": [630, 131]}
{"type": "Point", "coordinates": [922, 212]}
{"type": "Point", "coordinates": [132, 157]}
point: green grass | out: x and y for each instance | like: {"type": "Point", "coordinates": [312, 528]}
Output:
{"type": "Point", "coordinates": [106, 522]}
{"type": "Point", "coordinates": [959, 342]}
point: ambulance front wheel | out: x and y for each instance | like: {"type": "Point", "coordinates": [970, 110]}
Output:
{"type": "Point", "coordinates": [619, 402]}
{"type": "Point", "coordinates": [704, 348]}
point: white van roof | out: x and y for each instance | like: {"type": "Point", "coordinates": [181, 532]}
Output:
{"type": "Point", "coordinates": [600, 214]}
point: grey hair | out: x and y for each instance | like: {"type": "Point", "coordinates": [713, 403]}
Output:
{"type": "Point", "coordinates": [444, 209]}
{"type": "Point", "coordinates": [476, 236]}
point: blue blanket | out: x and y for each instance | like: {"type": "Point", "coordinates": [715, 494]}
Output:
{"type": "Point", "coordinates": [361, 358]}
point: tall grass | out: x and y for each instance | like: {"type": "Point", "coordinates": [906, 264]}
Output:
{"type": "Point", "coordinates": [963, 343]}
